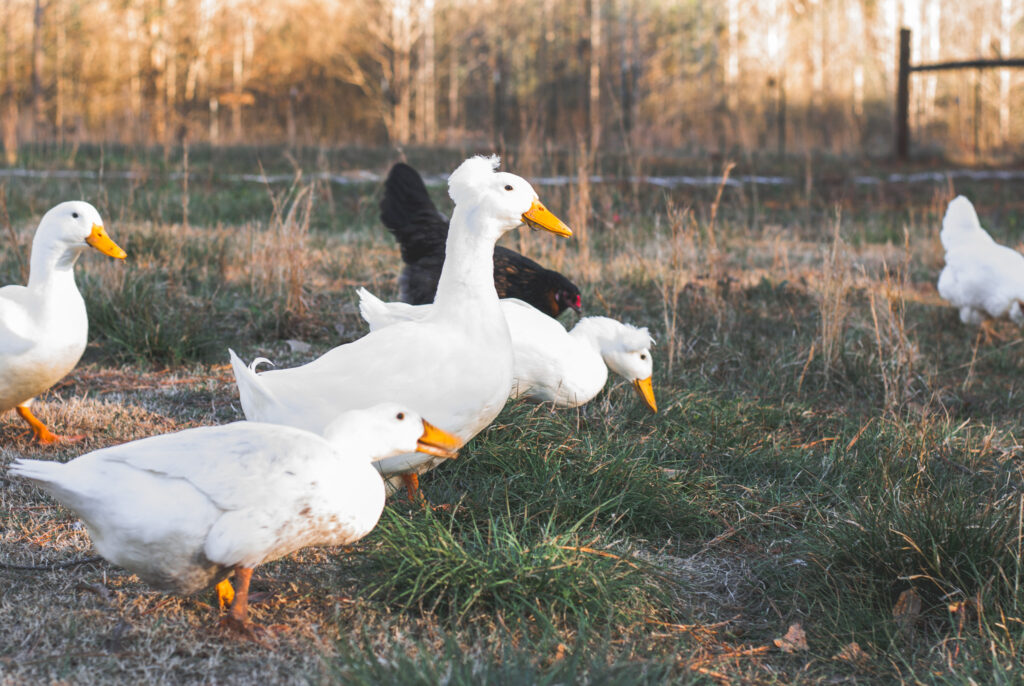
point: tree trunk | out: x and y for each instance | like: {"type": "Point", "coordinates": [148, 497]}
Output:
{"type": "Point", "coordinates": [453, 89]}
{"type": "Point", "coordinates": [134, 68]}
{"type": "Point", "coordinates": [158, 63]}
{"type": "Point", "coordinates": [237, 77]}
{"type": "Point", "coordinates": [293, 96]}
{"type": "Point", "coordinates": [10, 104]}
{"type": "Point", "coordinates": [594, 81]}
{"type": "Point", "coordinates": [170, 98]}
{"type": "Point", "coordinates": [60, 24]}
{"type": "Point", "coordinates": [402, 39]}
{"type": "Point", "coordinates": [497, 93]}
{"type": "Point", "coordinates": [1005, 50]}
{"type": "Point", "coordinates": [38, 106]}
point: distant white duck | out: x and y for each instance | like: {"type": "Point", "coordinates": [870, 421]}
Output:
{"type": "Point", "coordinates": [981, 277]}
{"type": "Point", "coordinates": [44, 326]}
{"type": "Point", "coordinates": [567, 368]}
{"type": "Point", "coordinates": [184, 510]}
{"type": "Point", "coordinates": [454, 366]}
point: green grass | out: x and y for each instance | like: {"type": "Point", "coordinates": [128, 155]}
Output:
{"type": "Point", "coordinates": [528, 570]}
{"type": "Point", "coordinates": [603, 545]}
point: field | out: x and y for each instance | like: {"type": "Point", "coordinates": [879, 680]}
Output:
{"type": "Point", "coordinates": [831, 491]}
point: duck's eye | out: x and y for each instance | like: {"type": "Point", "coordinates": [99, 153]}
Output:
{"type": "Point", "coordinates": [400, 416]}
{"type": "Point", "coordinates": [75, 215]}
{"type": "Point", "coordinates": [643, 356]}
{"type": "Point", "coordinates": [508, 186]}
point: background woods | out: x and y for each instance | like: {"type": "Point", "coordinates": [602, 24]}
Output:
{"type": "Point", "coordinates": [791, 75]}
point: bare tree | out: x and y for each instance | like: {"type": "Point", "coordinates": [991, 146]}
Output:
{"type": "Point", "coordinates": [594, 80]}
{"type": "Point", "coordinates": [426, 88]}
{"type": "Point", "coordinates": [38, 106]}
{"type": "Point", "coordinates": [10, 96]}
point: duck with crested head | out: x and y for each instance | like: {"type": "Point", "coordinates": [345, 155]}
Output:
{"type": "Point", "coordinates": [407, 211]}
{"type": "Point", "coordinates": [565, 368]}
{"type": "Point", "coordinates": [455, 366]}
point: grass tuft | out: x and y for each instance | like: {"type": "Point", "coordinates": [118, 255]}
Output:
{"type": "Point", "coordinates": [528, 571]}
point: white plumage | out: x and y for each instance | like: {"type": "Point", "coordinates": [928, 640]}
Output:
{"type": "Point", "coordinates": [454, 366]}
{"type": "Point", "coordinates": [183, 510]}
{"type": "Point", "coordinates": [981, 277]}
{"type": "Point", "coordinates": [43, 326]}
{"type": "Point", "coordinates": [566, 368]}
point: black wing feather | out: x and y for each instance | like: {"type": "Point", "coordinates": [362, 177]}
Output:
{"type": "Point", "coordinates": [421, 231]}
{"type": "Point", "coordinates": [411, 216]}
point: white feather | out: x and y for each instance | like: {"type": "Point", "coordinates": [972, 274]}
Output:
{"type": "Point", "coordinates": [981, 278]}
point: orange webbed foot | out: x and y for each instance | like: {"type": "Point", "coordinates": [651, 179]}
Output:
{"type": "Point", "coordinates": [415, 495]}
{"type": "Point", "coordinates": [41, 434]}
{"type": "Point", "coordinates": [245, 629]}
{"type": "Point", "coordinates": [225, 594]}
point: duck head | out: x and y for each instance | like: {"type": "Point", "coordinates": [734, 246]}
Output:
{"type": "Point", "coordinates": [629, 356]}
{"type": "Point", "coordinates": [386, 430]}
{"type": "Point", "coordinates": [71, 227]}
{"type": "Point", "coordinates": [508, 198]}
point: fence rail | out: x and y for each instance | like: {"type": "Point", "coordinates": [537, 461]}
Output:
{"type": "Point", "coordinates": [903, 85]}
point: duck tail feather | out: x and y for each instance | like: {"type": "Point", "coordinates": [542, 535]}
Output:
{"type": "Point", "coordinates": [252, 392]}
{"type": "Point", "coordinates": [40, 471]}
{"type": "Point", "coordinates": [411, 216]}
{"type": "Point", "coordinates": [379, 314]}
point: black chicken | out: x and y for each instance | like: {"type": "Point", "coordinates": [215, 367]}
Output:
{"type": "Point", "coordinates": [421, 231]}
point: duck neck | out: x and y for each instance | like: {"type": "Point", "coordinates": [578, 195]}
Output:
{"type": "Point", "coordinates": [467, 277]}
{"type": "Point", "coordinates": [52, 266]}
{"type": "Point", "coordinates": [594, 332]}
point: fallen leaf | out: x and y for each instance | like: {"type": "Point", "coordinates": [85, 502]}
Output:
{"type": "Point", "coordinates": [794, 641]}
{"type": "Point", "coordinates": [853, 653]}
{"type": "Point", "coordinates": [907, 609]}
{"type": "Point", "coordinates": [298, 346]}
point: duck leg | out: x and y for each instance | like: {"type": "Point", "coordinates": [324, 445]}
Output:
{"type": "Point", "coordinates": [237, 618]}
{"type": "Point", "coordinates": [990, 333]}
{"type": "Point", "coordinates": [416, 497]}
{"type": "Point", "coordinates": [412, 487]}
{"type": "Point", "coordinates": [42, 434]}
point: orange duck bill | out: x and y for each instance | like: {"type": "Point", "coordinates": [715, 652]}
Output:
{"type": "Point", "coordinates": [436, 442]}
{"type": "Point", "coordinates": [102, 242]}
{"type": "Point", "coordinates": [540, 217]}
{"type": "Point", "coordinates": [645, 389]}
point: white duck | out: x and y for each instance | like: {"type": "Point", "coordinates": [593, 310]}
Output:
{"type": "Point", "coordinates": [981, 277]}
{"type": "Point", "coordinates": [44, 326]}
{"type": "Point", "coordinates": [567, 368]}
{"type": "Point", "coordinates": [184, 510]}
{"type": "Point", "coordinates": [454, 366]}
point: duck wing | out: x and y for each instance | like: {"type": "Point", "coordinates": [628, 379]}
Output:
{"type": "Point", "coordinates": [437, 371]}
{"type": "Point", "coordinates": [379, 314]}
{"type": "Point", "coordinates": [270, 483]}
{"type": "Point", "coordinates": [16, 325]}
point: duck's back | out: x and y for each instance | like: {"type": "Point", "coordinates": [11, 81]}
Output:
{"type": "Point", "coordinates": [551, 365]}
{"type": "Point", "coordinates": [457, 379]}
